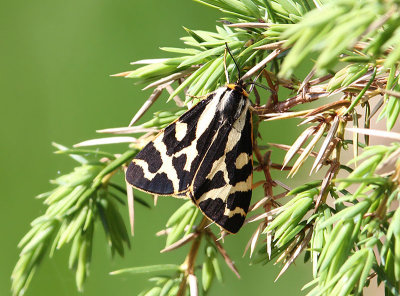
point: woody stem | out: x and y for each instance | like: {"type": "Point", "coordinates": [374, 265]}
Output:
{"type": "Point", "coordinates": [188, 264]}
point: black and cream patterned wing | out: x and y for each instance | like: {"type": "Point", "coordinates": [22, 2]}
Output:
{"type": "Point", "coordinates": [166, 166]}
{"type": "Point", "coordinates": [205, 155]}
{"type": "Point", "coordinates": [222, 185]}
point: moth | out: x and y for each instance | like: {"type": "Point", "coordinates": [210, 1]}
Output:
{"type": "Point", "coordinates": [204, 155]}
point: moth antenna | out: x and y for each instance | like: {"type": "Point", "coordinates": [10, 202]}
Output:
{"type": "Point", "coordinates": [237, 67]}
{"type": "Point", "coordinates": [225, 68]}
{"type": "Point", "coordinates": [259, 85]}
{"type": "Point", "coordinates": [253, 83]}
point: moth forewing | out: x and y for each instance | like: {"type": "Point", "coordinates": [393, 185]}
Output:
{"type": "Point", "coordinates": [206, 154]}
{"type": "Point", "coordinates": [222, 184]}
{"type": "Point", "coordinates": [156, 166]}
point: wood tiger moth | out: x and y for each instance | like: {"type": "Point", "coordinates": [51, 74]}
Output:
{"type": "Point", "coordinates": [204, 155]}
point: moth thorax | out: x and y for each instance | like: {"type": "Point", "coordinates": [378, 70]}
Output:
{"type": "Point", "coordinates": [232, 104]}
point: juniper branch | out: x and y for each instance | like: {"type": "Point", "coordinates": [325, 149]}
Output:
{"type": "Point", "coordinates": [348, 227]}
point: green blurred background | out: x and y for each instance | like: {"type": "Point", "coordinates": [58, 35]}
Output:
{"type": "Point", "coordinates": [56, 58]}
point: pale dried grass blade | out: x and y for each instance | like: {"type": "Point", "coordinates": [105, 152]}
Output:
{"type": "Point", "coordinates": [366, 77]}
{"type": "Point", "coordinates": [271, 46]}
{"type": "Point", "coordinates": [334, 105]}
{"type": "Point", "coordinates": [313, 118]}
{"type": "Point", "coordinates": [377, 133]}
{"type": "Point", "coordinates": [312, 96]}
{"type": "Point", "coordinates": [280, 146]}
{"type": "Point", "coordinates": [131, 205]}
{"type": "Point", "coordinates": [153, 97]}
{"type": "Point", "coordinates": [355, 137]}
{"type": "Point", "coordinates": [306, 81]}
{"type": "Point", "coordinates": [254, 236]}
{"type": "Point", "coordinates": [302, 158]}
{"type": "Point", "coordinates": [261, 64]}
{"type": "Point", "coordinates": [317, 4]}
{"type": "Point", "coordinates": [164, 231]}
{"type": "Point", "coordinates": [126, 130]}
{"type": "Point", "coordinates": [297, 144]}
{"type": "Point", "coordinates": [176, 98]}
{"type": "Point", "coordinates": [381, 21]}
{"type": "Point", "coordinates": [378, 105]}
{"type": "Point", "coordinates": [320, 79]}
{"type": "Point", "coordinates": [249, 243]}
{"type": "Point", "coordinates": [255, 239]}
{"type": "Point", "coordinates": [325, 183]}
{"type": "Point", "coordinates": [225, 67]}
{"type": "Point", "coordinates": [180, 242]}
{"type": "Point", "coordinates": [331, 133]}
{"type": "Point", "coordinates": [287, 252]}
{"type": "Point", "coordinates": [148, 61]}
{"type": "Point", "coordinates": [296, 253]}
{"type": "Point", "coordinates": [283, 115]}
{"type": "Point", "coordinates": [390, 92]}
{"type": "Point", "coordinates": [327, 153]}
{"type": "Point", "coordinates": [388, 166]}
{"type": "Point", "coordinates": [318, 89]}
{"type": "Point", "coordinates": [249, 25]}
{"type": "Point", "coordinates": [360, 45]}
{"type": "Point", "coordinates": [194, 291]}
{"type": "Point", "coordinates": [284, 186]}
{"type": "Point", "coordinates": [287, 148]}
{"type": "Point", "coordinates": [103, 141]}
{"type": "Point", "coordinates": [269, 239]}
{"type": "Point", "coordinates": [282, 256]}
{"type": "Point", "coordinates": [122, 74]}
{"type": "Point", "coordinates": [263, 215]}
{"type": "Point", "coordinates": [155, 199]}
{"type": "Point", "coordinates": [259, 203]}
{"type": "Point", "coordinates": [224, 254]}
{"type": "Point", "coordinates": [169, 78]}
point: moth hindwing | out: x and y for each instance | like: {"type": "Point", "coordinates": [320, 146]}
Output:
{"type": "Point", "coordinates": [205, 155]}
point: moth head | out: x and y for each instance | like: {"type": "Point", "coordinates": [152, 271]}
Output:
{"type": "Point", "coordinates": [240, 87]}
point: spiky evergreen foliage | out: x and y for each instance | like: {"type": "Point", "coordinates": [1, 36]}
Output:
{"type": "Point", "coordinates": [346, 223]}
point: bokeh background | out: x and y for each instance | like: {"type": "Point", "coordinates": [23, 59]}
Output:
{"type": "Point", "coordinates": [56, 58]}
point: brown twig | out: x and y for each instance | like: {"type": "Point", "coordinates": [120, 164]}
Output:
{"type": "Point", "coordinates": [188, 264]}
{"type": "Point", "coordinates": [224, 254]}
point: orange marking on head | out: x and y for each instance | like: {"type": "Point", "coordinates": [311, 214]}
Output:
{"type": "Point", "coordinates": [235, 87]}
